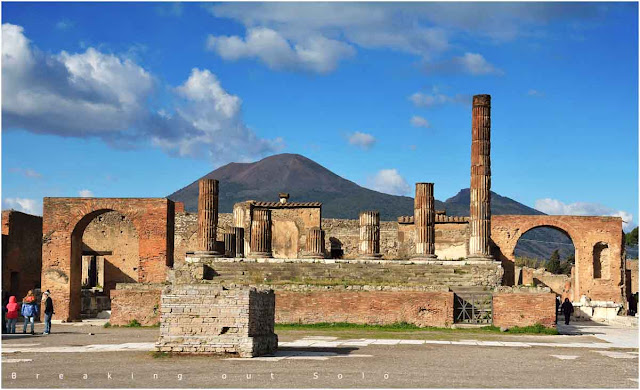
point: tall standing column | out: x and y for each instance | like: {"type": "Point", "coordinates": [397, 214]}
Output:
{"type": "Point", "coordinates": [424, 216]}
{"type": "Point", "coordinates": [229, 244]}
{"type": "Point", "coordinates": [239, 233]}
{"type": "Point", "coordinates": [315, 244]}
{"type": "Point", "coordinates": [370, 235]}
{"type": "Point", "coordinates": [480, 203]}
{"type": "Point", "coordinates": [261, 233]}
{"type": "Point", "coordinates": [207, 217]}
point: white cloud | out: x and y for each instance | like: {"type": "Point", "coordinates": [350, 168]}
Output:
{"type": "Point", "coordinates": [29, 206]}
{"type": "Point", "coordinates": [85, 193]}
{"type": "Point", "coordinates": [556, 207]}
{"type": "Point", "coordinates": [93, 94]}
{"type": "Point", "coordinates": [315, 53]}
{"type": "Point", "coordinates": [64, 24]}
{"type": "Point", "coordinates": [421, 99]}
{"type": "Point", "coordinates": [471, 63]}
{"type": "Point", "coordinates": [535, 92]}
{"type": "Point", "coordinates": [389, 181]}
{"type": "Point", "coordinates": [26, 172]}
{"type": "Point", "coordinates": [418, 121]}
{"type": "Point", "coordinates": [362, 140]}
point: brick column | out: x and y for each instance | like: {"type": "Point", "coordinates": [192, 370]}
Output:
{"type": "Point", "coordinates": [424, 216]}
{"type": "Point", "coordinates": [261, 233]}
{"type": "Point", "coordinates": [315, 243]}
{"type": "Point", "coordinates": [370, 235]}
{"type": "Point", "coordinates": [239, 233]}
{"type": "Point", "coordinates": [480, 203]}
{"type": "Point", "coordinates": [229, 244]}
{"type": "Point", "coordinates": [207, 218]}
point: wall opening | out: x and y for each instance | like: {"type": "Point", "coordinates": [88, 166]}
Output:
{"type": "Point", "coordinates": [545, 247]}
{"type": "Point", "coordinates": [336, 248]}
{"type": "Point", "coordinates": [105, 251]}
{"type": "Point", "coordinates": [601, 261]}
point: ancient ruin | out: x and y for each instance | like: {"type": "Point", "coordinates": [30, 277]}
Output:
{"type": "Point", "coordinates": [146, 259]}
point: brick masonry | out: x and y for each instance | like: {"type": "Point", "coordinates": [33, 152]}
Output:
{"type": "Point", "coordinates": [21, 252]}
{"type": "Point", "coordinates": [586, 233]}
{"type": "Point", "coordinates": [524, 309]}
{"type": "Point", "coordinates": [136, 301]}
{"type": "Point", "coordinates": [210, 318]}
{"type": "Point", "coordinates": [421, 308]}
{"type": "Point", "coordinates": [65, 220]}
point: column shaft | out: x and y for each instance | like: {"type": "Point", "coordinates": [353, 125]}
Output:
{"type": "Point", "coordinates": [229, 245]}
{"type": "Point", "coordinates": [239, 233]}
{"type": "Point", "coordinates": [424, 214]}
{"type": "Point", "coordinates": [261, 233]}
{"type": "Point", "coordinates": [207, 216]}
{"type": "Point", "coordinates": [370, 234]}
{"type": "Point", "coordinates": [480, 192]}
{"type": "Point", "coordinates": [315, 243]}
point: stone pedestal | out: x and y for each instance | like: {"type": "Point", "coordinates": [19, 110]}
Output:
{"type": "Point", "coordinates": [207, 218]}
{"type": "Point", "coordinates": [239, 233]}
{"type": "Point", "coordinates": [480, 202]}
{"type": "Point", "coordinates": [424, 216]}
{"type": "Point", "coordinates": [261, 233]}
{"type": "Point", "coordinates": [369, 247]}
{"type": "Point", "coordinates": [229, 245]}
{"type": "Point", "coordinates": [315, 244]}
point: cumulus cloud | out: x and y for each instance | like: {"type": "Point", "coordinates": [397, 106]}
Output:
{"type": "Point", "coordinates": [418, 121]}
{"type": "Point", "coordinates": [93, 94]}
{"type": "Point", "coordinates": [29, 206]}
{"type": "Point", "coordinates": [362, 140]}
{"type": "Point", "coordinates": [389, 181]}
{"type": "Point", "coordinates": [556, 207]}
{"type": "Point", "coordinates": [470, 63]}
{"type": "Point", "coordinates": [315, 53]}
{"type": "Point", "coordinates": [426, 30]}
{"type": "Point", "coordinates": [435, 98]}
{"type": "Point", "coordinates": [26, 172]}
{"type": "Point", "coordinates": [85, 193]}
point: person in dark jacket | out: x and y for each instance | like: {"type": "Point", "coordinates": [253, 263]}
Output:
{"type": "Point", "coordinates": [48, 311]}
{"type": "Point", "coordinates": [557, 306]}
{"type": "Point", "coordinates": [567, 310]}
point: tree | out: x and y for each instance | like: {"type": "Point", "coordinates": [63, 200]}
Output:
{"type": "Point", "coordinates": [631, 238]}
{"type": "Point", "coordinates": [553, 264]}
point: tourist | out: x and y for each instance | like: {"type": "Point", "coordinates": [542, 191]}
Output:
{"type": "Point", "coordinates": [48, 311]}
{"type": "Point", "coordinates": [29, 311]}
{"type": "Point", "coordinates": [567, 309]}
{"type": "Point", "coordinates": [12, 314]}
{"type": "Point", "coordinates": [557, 306]}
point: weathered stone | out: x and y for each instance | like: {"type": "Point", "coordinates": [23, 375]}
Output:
{"type": "Point", "coordinates": [424, 217]}
{"type": "Point", "coordinates": [208, 217]}
{"type": "Point", "coordinates": [239, 234]}
{"type": "Point", "coordinates": [229, 245]}
{"type": "Point", "coordinates": [370, 235]}
{"type": "Point", "coordinates": [315, 244]}
{"type": "Point", "coordinates": [480, 191]}
{"type": "Point", "coordinates": [261, 233]}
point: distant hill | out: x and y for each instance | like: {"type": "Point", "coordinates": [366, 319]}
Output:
{"type": "Point", "coordinates": [308, 181]}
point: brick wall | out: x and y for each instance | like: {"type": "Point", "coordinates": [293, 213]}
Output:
{"type": "Point", "coordinates": [524, 309]}
{"type": "Point", "coordinates": [421, 308]}
{"type": "Point", "coordinates": [21, 252]}
{"type": "Point", "coordinates": [559, 284]}
{"type": "Point", "coordinates": [136, 303]}
{"type": "Point", "coordinates": [632, 277]}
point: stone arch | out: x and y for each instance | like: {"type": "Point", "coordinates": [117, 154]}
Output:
{"type": "Point", "coordinates": [64, 221]}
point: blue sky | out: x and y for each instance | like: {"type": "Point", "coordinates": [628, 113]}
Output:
{"type": "Point", "coordinates": [138, 100]}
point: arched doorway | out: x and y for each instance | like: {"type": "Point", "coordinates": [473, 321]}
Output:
{"type": "Point", "coordinates": [110, 255]}
{"type": "Point", "coordinates": [545, 248]}
{"type": "Point", "coordinates": [104, 252]}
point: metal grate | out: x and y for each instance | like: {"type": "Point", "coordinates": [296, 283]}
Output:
{"type": "Point", "coordinates": [474, 309]}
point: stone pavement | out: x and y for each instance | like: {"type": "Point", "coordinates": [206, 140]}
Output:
{"type": "Point", "coordinates": [617, 336]}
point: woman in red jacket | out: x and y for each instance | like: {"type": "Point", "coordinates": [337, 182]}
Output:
{"type": "Point", "coordinates": [12, 314]}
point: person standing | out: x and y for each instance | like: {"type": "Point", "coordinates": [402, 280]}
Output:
{"type": "Point", "coordinates": [557, 306]}
{"type": "Point", "coordinates": [12, 314]}
{"type": "Point", "coordinates": [567, 310]}
{"type": "Point", "coordinates": [48, 311]}
{"type": "Point", "coordinates": [29, 311]}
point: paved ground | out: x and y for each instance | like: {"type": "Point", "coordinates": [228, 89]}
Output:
{"type": "Point", "coordinates": [591, 356]}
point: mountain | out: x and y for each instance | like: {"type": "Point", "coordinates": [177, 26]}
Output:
{"type": "Point", "coordinates": [305, 180]}
{"type": "Point", "coordinates": [308, 181]}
